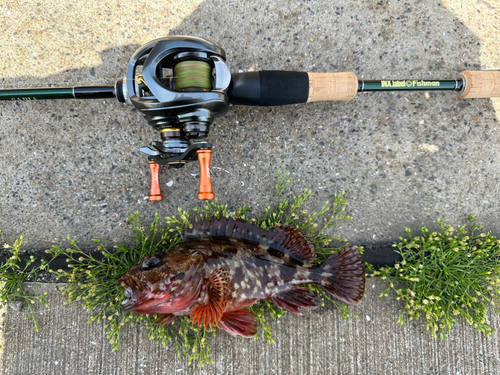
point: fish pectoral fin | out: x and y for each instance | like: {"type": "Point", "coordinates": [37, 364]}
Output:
{"type": "Point", "coordinates": [165, 319]}
{"type": "Point", "coordinates": [207, 315]}
{"type": "Point", "coordinates": [294, 298]}
{"type": "Point", "coordinates": [239, 323]}
{"type": "Point", "coordinates": [218, 288]}
{"type": "Point", "coordinates": [220, 285]}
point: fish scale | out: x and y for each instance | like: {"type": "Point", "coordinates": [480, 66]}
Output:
{"type": "Point", "coordinates": [224, 266]}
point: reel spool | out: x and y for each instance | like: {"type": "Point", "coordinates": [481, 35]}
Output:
{"type": "Point", "coordinates": [180, 84]}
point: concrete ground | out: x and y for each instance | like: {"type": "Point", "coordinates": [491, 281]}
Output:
{"type": "Point", "coordinates": [318, 343]}
{"type": "Point", "coordinates": [73, 167]}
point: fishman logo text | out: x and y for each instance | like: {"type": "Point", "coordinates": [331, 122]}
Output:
{"type": "Point", "coordinates": [410, 83]}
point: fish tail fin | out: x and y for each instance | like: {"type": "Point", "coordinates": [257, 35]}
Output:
{"type": "Point", "coordinates": [343, 275]}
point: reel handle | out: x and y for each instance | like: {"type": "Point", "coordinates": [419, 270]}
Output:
{"type": "Point", "coordinates": [155, 191]}
{"type": "Point", "coordinates": [205, 189]}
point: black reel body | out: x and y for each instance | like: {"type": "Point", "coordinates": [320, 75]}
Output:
{"type": "Point", "coordinates": [180, 84]}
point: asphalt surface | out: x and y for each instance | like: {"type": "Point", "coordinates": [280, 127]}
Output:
{"type": "Point", "coordinates": [73, 167]}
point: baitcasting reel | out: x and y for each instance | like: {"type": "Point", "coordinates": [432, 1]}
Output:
{"type": "Point", "coordinates": [181, 83]}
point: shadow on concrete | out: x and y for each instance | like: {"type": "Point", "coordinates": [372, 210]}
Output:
{"type": "Point", "coordinates": [73, 167]}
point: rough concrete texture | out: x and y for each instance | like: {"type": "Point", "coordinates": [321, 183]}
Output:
{"type": "Point", "coordinates": [73, 167]}
{"type": "Point", "coordinates": [318, 343]}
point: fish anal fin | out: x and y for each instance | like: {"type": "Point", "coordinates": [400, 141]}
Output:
{"type": "Point", "coordinates": [218, 288]}
{"type": "Point", "coordinates": [294, 298]}
{"type": "Point", "coordinates": [239, 323]}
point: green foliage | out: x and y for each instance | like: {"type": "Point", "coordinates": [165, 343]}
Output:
{"type": "Point", "coordinates": [444, 275]}
{"type": "Point", "coordinates": [12, 276]}
{"type": "Point", "coordinates": [93, 280]}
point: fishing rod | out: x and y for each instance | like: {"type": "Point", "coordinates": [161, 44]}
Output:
{"type": "Point", "coordinates": [182, 83]}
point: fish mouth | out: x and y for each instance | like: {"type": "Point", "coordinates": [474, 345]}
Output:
{"type": "Point", "coordinates": [143, 302]}
{"type": "Point", "coordinates": [129, 304]}
{"type": "Point", "coordinates": [141, 298]}
{"type": "Point", "coordinates": [146, 306]}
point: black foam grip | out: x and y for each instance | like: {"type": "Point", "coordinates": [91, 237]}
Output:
{"type": "Point", "coordinates": [279, 88]}
{"type": "Point", "coordinates": [269, 88]}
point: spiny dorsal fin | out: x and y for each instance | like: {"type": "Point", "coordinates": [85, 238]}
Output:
{"type": "Point", "coordinates": [285, 239]}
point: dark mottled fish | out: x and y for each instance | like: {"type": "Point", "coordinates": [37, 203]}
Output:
{"type": "Point", "coordinates": [225, 266]}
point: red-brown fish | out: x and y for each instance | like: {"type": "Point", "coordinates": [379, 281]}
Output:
{"type": "Point", "coordinates": [225, 266]}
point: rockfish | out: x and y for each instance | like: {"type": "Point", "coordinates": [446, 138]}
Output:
{"type": "Point", "coordinates": [225, 266]}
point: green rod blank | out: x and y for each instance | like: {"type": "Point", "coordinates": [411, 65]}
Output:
{"type": "Point", "coordinates": [399, 85]}
{"type": "Point", "coordinates": [36, 94]}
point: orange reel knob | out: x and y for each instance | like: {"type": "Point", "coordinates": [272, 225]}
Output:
{"type": "Point", "coordinates": [155, 191]}
{"type": "Point", "coordinates": [206, 193]}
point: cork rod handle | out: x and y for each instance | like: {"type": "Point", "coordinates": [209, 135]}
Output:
{"type": "Point", "coordinates": [480, 84]}
{"type": "Point", "coordinates": [332, 86]}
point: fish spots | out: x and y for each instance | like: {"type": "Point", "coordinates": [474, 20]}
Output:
{"type": "Point", "coordinates": [275, 271]}
{"type": "Point", "coordinates": [257, 282]}
{"type": "Point", "coordinates": [301, 274]}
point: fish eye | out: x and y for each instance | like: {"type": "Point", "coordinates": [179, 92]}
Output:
{"type": "Point", "coordinates": [126, 294]}
{"type": "Point", "coordinates": [150, 263]}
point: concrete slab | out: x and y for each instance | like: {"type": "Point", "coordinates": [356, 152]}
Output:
{"type": "Point", "coordinates": [318, 343]}
{"type": "Point", "coordinates": [73, 167]}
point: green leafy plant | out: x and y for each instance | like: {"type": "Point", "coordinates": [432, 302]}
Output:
{"type": "Point", "coordinates": [93, 279]}
{"type": "Point", "coordinates": [446, 274]}
{"type": "Point", "coordinates": [13, 273]}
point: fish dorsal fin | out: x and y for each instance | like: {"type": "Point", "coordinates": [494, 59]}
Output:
{"type": "Point", "coordinates": [286, 239]}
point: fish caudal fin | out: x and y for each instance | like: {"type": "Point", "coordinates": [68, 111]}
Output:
{"type": "Point", "coordinates": [239, 323]}
{"type": "Point", "coordinates": [297, 297]}
{"type": "Point", "coordinates": [343, 275]}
